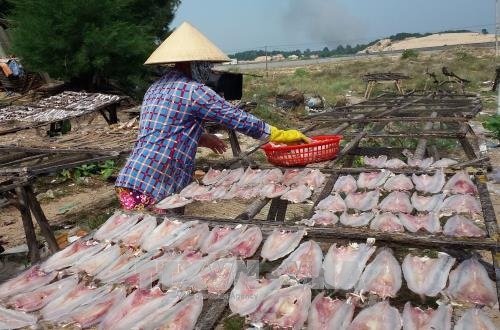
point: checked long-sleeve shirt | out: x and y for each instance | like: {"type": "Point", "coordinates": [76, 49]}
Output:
{"type": "Point", "coordinates": [171, 124]}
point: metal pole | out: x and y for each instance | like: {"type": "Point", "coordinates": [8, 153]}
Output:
{"type": "Point", "coordinates": [267, 75]}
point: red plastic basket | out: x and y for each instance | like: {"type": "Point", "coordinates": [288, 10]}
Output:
{"type": "Point", "coordinates": [321, 149]}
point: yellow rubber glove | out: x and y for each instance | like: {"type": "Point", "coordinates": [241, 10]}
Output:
{"type": "Point", "coordinates": [287, 136]}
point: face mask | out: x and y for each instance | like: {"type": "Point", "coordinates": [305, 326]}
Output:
{"type": "Point", "coordinates": [200, 71]}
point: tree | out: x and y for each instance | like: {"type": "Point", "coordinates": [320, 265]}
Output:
{"type": "Point", "coordinates": [90, 42]}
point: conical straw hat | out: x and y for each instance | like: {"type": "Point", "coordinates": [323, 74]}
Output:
{"type": "Point", "coordinates": [186, 44]}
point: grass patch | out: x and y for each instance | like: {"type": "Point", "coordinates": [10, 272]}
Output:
{"type": "Point", "coordinates": [234, 323]}
{"type": "Point", "coordinates": [271, 116]}
{"type": "Point", "coordinates": [409, 53]}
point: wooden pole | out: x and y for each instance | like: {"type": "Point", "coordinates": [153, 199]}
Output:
{"type": "Point", "coordinates": [29, 229]}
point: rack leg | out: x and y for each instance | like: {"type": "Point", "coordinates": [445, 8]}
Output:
{"type": "Point", "coordinates": [29, 229]}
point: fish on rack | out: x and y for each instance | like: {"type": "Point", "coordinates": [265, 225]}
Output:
{"type": "Point", "coordinates": [457, 204]}
{"type": "Point", "coordinates": [377, 162]}
{"type": "Point", "coordinates": [460, 226]}
{"type": "Point", "coordinates": [356, 219]}
{"type": "Point", "coordinates": [387, 222]}
{"type": "Point", "coordinates": [326, 313]}
{"type": "Point", "coordinates": [427, 276]}
{"type": "Point", "coordinates": [273, 190]}
{"type": "Point", "coordinates": [280, 243]}
{"type": "Point", "coordinates": [116, 225]}
{"type": "Point", "coordinates": [345, 184]}
{"type": "Point", "coordinates": [444, 163]}
{"type": "Point", "coordinates": [380, 316]}
{"type": "Point", "coordinates": [182, 268]}
{"type": "Point", "coordinates": [216, 277]}
{"type": "Point", "coordinates": [166, 233]}
{"type": "Point", "coordinates": [246, 243]}
{"type": "Point", "coordinates": [139, 232]}
{"type": "Point", "coordinates": [431, 184]}
{"type": "Point", "coordinates": [362, 201]}
{"type": "Point", "coordinates": [321, 218]}
{"type": "Point", "coordinates": [192, 238]}
{"type": "Point", "coordinates": [144, 273]}
{"type": "Point", "coordinates": [427, 203]}
{"type": "Point", "coordinates": [12, 319]}
{"type": "Point", "coordinates": [99, 261]}
{"type": "Point", "coordinates": [395, 163]}
{"type": "Point", "coordinates": [232, 177]}
{"type": "Point", "coordinates": [414, 318]}
{"type": "Point", "coordinates": [473, 319]}
{"type": "Point", "coordinates": [174, 201]}
{"type": "Point", "coordinates": [78, 251]}
{"type": "Point", "coordinates": [397, 201]}
{"type": "Point", "coordinates": [272, 176]}
{"type": "Point", "coordinates": [398, 182]}
{"type": "Point", "coordinates": [372, 180]}
{"type": "Point", "coordinates": [343, 265]}
{"type": "Point", "coordinates": [382, 276]}
{"type": "Point", "coordinates": [460, 183]}
{"type": "Point", "coordinates": [333, 203]}
{"type": "Point", "coordinates": [219, 239]}
{"type": "Point", "coordinates": [249, 292]}
{"type": "Point", "coordinates": [305, 262]}
{"type": "Point", "coordinates": [214, 176]}
{"type": "Point", "coordinates": [297, 194]}
{"type": "Point", "coordinates": [420, 163]}
{"type": "Point", "coordinates": [29, 280]}
{"type": "Point", "coordinates": [428, 221]}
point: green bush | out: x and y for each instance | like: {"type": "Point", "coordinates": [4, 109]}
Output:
{"type": "Point", "coordinates": [409, 53]}
{"type": "Point", "coordinates": [493, 124]}
{"type": "Point", "coordinates": [91, 43]}
{"type": "Point", "coordinates": [300, 72]}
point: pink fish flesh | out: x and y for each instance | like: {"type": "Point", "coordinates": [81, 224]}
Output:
{"type": "Point", "coordinates": [427, 276]}
{"type": "Point", "coordinates": [444, 162]}
{"type": "Point", "coordinates": [297, 194]}
{"type": "Point", "coordinates": [117, 224]}
{"type": "Point", "coordinates": [415, 318]}
{"type": "Point", "coordinates": [304, 262]}
{"type": "Point", "coordinates": [326, 314]}
{"type": "Point", "coordinates": [192, 190]}
{"type": "Point", "coordinates": [36, 299]}
{"type": "Point", "coordinates": [314, 179]}
{"type": "Point", "coordinates": [172, 202]}
{"type": "Point", "coordinates": [144, 273]}
{"type": "Point", "coordinates": [180, 270]}
{"type": "Point", "coordinates": [250, 178]}
{"type": "Point", "coordinates": [232, 177]}
{"type": "Point", "coordinates": [139, 232]}
{"type": "Point", "coordinates": [332, 203]}
{"type": "Point", "coordinates": [94, 312]}
{"type": "Point", "coordinates": [219, 239]}
{"type": "Point", "coordinates": [138, 305]}
{"type": "Point", "coordinates": [249, 292]}
{"type": "Point", "coordinates": [380, 316]}
{"type": "Point", "coordinates": [11, 319]}
{"type": "Point", "coordinates": [431, 184]}
{"type": "Point", "coordinates": [273, 176]}
{"type": "Point", "coordinates": [356, 219]}
{"type": "Point", "coordinates": [165, 234]}
{"type": "Point", "coordinates": [378, 162]}
{"type": "Point", "coordinates": [98, 262]}
{"type": "Point", "coordinates": [182, 316]}
{"type": "Point", "coordinates": [214, 176]}
{"type": "Point", "coordinates": [395, 163]}
{"type": "Point", "coordinates": [414, 223]}
{"type": "Point", "coordinates": [387, 222]}
{"type": "Point", "coordinates": [217, 277]}
{"type": "Point", "coordinates": [212, 195]}
{"type": "Point", "coordinates": [78, 251]}
{"type": "Point", "coordinates": [280, 243]}
{"type": "Point", "coordinates": [469, 283]}
{"type": "Point", "coordinates": [475, 319]}
{"type": "Point", "coordinates": [191, 239]}
{"type": "Point", "coordinates": [397, 201]}
{"type": "Point", "coordinates": [295, 177]}
{"type": "Point", "coordinates": [273, 190]}
{"type": "Point", "coordinates": [459, 226]}
{"type": "Point", "coordinates": [382, 276]}
{"type": "Point", "coordinates": [420, 163]}
{"type": "Point", "coordinates": [322, 218]}
{"type": "Point", "coordinates": [29, 280]}
{"type": "Point", "coordinates": [460, 204]}
{"type": "Point", "coordinates": [343, 265]}
{"type": "Point", "coordinates": [242, 192]}
{"type": "Point", "coordinates": [427, 203]}
{"type": "Point", "coordinates": [372, 180]}
{"type": "Point", "coordinates": [460, 183]}
{"type": "Point", "coordinates": [362, 201]}
{"type": "Point", "coordinates": [67, 301]}
{"type": "Point", "coordinates": [120, 267]}
{"type": "Point", "coordinates": [286, 308]}
{"type": "Point", "coordinates": [246, 243]}
{"type": "Point", "coordinates": [345, 184]}
{"type": "Point", "coordinates": [398, 182]}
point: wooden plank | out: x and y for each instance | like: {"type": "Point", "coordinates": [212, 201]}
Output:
{"type": "Point", "coordinates": [29, 229]}
{"type": "Point", "coordinates": [253, 209]}
{"type": "Point", "coordinates": [392, 119]}
{"type": "Point", "coordinates": [422, 143]}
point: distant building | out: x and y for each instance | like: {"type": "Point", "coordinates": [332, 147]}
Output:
{"type": "Point", "coordinates": [263, 59]}
{"type": "Point", "coordinates": [293, 57]}
{"type": "Point", "coordinates": [278, 57]}
{"type": "Point", "coordinates": [314, 56]}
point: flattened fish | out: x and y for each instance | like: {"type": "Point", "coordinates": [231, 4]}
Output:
{"type": "Point", "coordinates": [415, 318]}
{"type": "Point", "coordinates": [345, 184]}
{"type": "Point", "coordinates": [475, 319]}
{"type": "Point", "coordinates": [431, 184]}
{"type": "Point", "coordinates": [382, 276]}
{"type": "Point", "coordinates": [378, 162]}
{"type": "Point", "coordinates": [427, 276]}
{"type": "Point", "coordinates": [147, 271]}
{"type": "Point", "coordinates": [181, 269]}
{"type": "Point", "coordinates": [397, 201]}
{"type": "Point", "coordinates": [459, 226]}
{"type": "Point", "coordinates": [191, 239]}
{"type": "Point", "coordinates": [333, 203]}
{"type": "Point", "coordinates": [343, 265]}
{"type": "Point", "coordinates": [427, 203]}
{"type": "Point", "coordinates": [273, 190]}
{"type": "Point", "coordinates": [414, 223]}
{"type": "Point", "coordinates": [420, 163]}
{"type": "Point", "coordinates": [174, 201]}
{"type": "Point", "coordinates": [29, 280]}
{"type": "Point", "coordinates": [273, 176]}
{"type": "Point", "coordinates": [192, 190]}
{"type": "Point", "coordinates": [395, 163]}
{"type": "Point", "coordinates": [79, 250]}
{"type": "Point", "coordinates": [11, 319]}
{"type": "Point", "coordinates": [461, 204]}
{"type": "Point", "coordinates": [380, 316]}
{"type": "Point", "coordinates": [387, 222]}
{"type": "Point", "coordinates": [314, 179]}
{"type": "Point", "coordinates": [232, 177]}
{"type": "Point", "coordinates": [372, 180]}
{"type": "Point", "coordinates": [297, 194]}
{"type": "Point", "coordinates": [165, 234]}
{"type": "Point", "coordinates": [469, 283]}
{"type": "Point", "coordinates": [304, 262]}
{"type": "Point", "coordinates": [362, 201]}
{"type": "Point", "coordinates": [249, 292]}
{"type": "Point", "coordinates": [356, 219]}
{"type": "Point", "coordinates": [250, 178]}
{"type": "Point", "coordinates": [246, 243]}
{"type": "Point", "coordinates": [326, 314]}
{"type": "Point", "coordinates": [138, 233]}
{"type": "Point", "coordinates": [116, 225]}
{"type": "Point", "coordinates": [214, 176]}
{"type": "Point", "coordinates": [444, 162]}
{"type": "Point", "coordinates": [120, 267]}
{"type": "Point", "coordinates": [212, 195]}
{"type": "Point", "coordinates": [219, 239]}
{"type": "Point", "coordinates": [460, 183]}
{"type": "Point", "coordinates": [216, 277]}
{"type": "Point", "coordinates": [280, 243]}
{"type": "Point", "coordinates": [286, 308]}
{"type": "Point", "coordinates": [322, 218]}
{"type": "Point", "coordinates": [36, 299]}
{"type": "Point", "coordinates": [398, 182]}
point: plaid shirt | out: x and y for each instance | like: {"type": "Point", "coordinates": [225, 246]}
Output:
{"type": "Point", "coordinates": [172, 113]}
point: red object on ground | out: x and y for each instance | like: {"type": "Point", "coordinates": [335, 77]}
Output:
{"type": "Point", "coordinates": [321, 149]}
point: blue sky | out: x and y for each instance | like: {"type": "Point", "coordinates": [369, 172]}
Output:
{"type": "Point", "coordinates": [237, 25]}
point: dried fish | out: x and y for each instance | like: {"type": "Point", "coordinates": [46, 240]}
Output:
{"type": "Point", "coordinates": [355, 219]}
{"type": "Point", "coordinates": [304, 262]}
{"type": "Point", "coordinates": [216, 277]}
{"type": "Point", "coordinates": [332, 203]}
{"type": "Point", "coordinates": [362, 201]}
{"type": "Point", "coordinates": [414, 223]}
{"type": "Point", "coordinates": [173, 201]}
{"type": "Point", "coordinates": [398, 182]}
{"type": "Point", "coordinates": [387, 222]}
{"type": "Point", "coordinates": [29, 280]}
{"type": "Point", "coordinates": [297, 194]}
{"type": "Point", "coordinates": [460, 183]}
{"type": "Point", "coordinates": [80, 250]}
{"type": "Point", "coordinates": [380, 316]}
{"type": "Point", "coordinates": [139, 232]}
{"type": "Point", "coordinates": [427, 203]}
{"type": "Point", "coordinates": [345, 184]}
{"type": "Point", "coordinates": [11, 319]}
{"type": "Point", "coordinates": [459, 226]}
{"type": "Point", "coordinates": [372, 180]}
{"type": "Point", "coordinates": [249, 292]}
{"type": "Point", "coordinates": [326, 313]}
{"type": "Point", "coordinates": [429, 183]}
{"type": "Point", "coordinates": [397, 201]}
{"type": "Point", "coordinates": [460, 204]}
{"type": "Point", "coordinates": [415, 318]}
{"type": "Point", "coordinates": [382, 276]}
{"type": "Point", "coordinates": [116, 225]}
{"type": "Point", "coordinates": [280, 243]}
{"type": "Point", "coordinates": [475, 319]}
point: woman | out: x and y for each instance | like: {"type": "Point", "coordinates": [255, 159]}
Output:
{"type": "Point", "coordinates": [171, 121]}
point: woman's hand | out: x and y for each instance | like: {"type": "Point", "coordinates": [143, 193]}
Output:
{"type": "Point", "coordinates": [213, 142]}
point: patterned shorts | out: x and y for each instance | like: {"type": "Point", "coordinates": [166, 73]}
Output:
{"type": "Point", "coordinates": [132, 200]}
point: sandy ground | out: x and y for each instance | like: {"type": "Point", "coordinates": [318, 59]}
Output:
{"type": "Point", "coordinates": [434, 40]}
